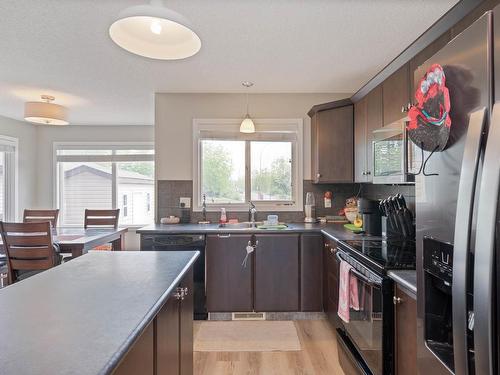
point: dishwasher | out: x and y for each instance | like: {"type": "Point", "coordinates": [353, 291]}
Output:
{"type": "Point", "coordinates": [184, 242]}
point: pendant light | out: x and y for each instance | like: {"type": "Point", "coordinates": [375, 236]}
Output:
{"type": "Point", "coordinates": [247, 125]}
{"type": "Point", "coordinates": [46, 112]}
{"type": "Point", "coordinates": [155, 31]}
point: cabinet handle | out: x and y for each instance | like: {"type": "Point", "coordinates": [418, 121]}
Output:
{"type": "Point", "coordinates": [363, 174]}
{"type": "Point", "coordinates": [224, 235]}
{"type": "Point", "coordinates": [179, 294]}
{"type": "Point", "coordinates": [368, 173]}
{"type": "Point", "coordinates": [396, 300]}
{"type": "Point", "coordinates": [318, 175]}
{"type": "Point", "coordinates": [185, 290]}
{"type": "Point", "coordinates": [332, 251]}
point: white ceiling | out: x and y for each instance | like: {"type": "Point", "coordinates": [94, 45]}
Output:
{"type": "Point", "coordinates": [62, 47]}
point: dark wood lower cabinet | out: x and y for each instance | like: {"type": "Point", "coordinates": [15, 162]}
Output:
{"type": "Point", "coordinates": [277, 273]}
{"type": "Point", "coordinates": [166, 346]}
{"type": "Point", "coordinates": [311, 272]}
{"type": "Point", "coordinates": [331, 282]}
{"type": "Point", "coordinates": [228, 282]}
{"type": "Point", "coordinates": [405, 320]}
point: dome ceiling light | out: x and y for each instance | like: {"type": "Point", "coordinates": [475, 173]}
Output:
{"type": "Point", "coordinates": [247, 125]}
{"type": "Point", "coordinates": [46, 112]}
{"type": "Point", "coordinates": [155, 31]}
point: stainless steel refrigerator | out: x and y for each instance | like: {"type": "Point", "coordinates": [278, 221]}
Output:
{"type": "Point", "coordinates": [457, 214]}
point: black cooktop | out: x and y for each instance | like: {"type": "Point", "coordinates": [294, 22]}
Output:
{"type": "Point", "coordinates": [382, 255]}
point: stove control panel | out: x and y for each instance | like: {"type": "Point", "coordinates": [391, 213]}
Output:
{"type": "Point", "coordinates": [438, 259]}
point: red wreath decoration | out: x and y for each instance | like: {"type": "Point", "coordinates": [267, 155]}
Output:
{"type": "Point", "coordinates": [430, 122]}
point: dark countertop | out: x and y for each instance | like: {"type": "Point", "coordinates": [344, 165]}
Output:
{"type": "Point", "coordinates": [333, 231]}
{"type": "Point", "coordinates": [81, 318]}
{"type": "Point", "coordinates": [406, 278]}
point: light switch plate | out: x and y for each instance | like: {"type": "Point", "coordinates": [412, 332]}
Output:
{"type": "Point", "coordinates": [186, 201]}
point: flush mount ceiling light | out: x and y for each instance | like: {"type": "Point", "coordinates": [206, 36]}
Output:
{"type": "Point", "coordinates": [46, 112]}
{"type": "Point", "coordinates": [155, 31]}
{"type": "Point", "coordinates": [247, 125]}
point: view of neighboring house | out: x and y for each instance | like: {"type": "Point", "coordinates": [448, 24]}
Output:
{"type": "Point", "coordinates": [89, 185]}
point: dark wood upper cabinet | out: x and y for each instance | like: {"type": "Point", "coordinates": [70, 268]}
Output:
{"type": "Point", "coordinates": [405, 321]}
{"type": "Point", "coordinates": [228, 282]}
{"type": "Point", "coordinates": [277, 272]}
{"type": "Point", "coordinates": [367, 118]}
{"type": "Point", "coordinates": [360, 144]}
{"type": "Point", "coordinates": [332, 145]}
{"type": "Point", "coordinates": [311, 272]}
{"type": "Point", "coordinates": [396, 95]}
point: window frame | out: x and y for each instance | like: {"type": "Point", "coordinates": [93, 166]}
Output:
{"type": "Point", "coordinates": [11, 203]}
{"type": "Point", "coordinates": [286, 130]}
{"type": "Point", "coordinates": [113, 159]}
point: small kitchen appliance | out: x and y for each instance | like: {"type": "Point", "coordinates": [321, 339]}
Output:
{"type": "Point", "coordinates": [310, 208]}
{"type": "Point", "coordinates": [372, 221]}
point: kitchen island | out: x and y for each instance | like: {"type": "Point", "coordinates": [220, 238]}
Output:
{"type": "Point", "coordinates": [102, 313]}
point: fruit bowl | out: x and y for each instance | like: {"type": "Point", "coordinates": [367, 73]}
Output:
{"type": "Point", "coordinates": [351, 213]}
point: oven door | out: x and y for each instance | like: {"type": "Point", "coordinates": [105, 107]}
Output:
{"type": "Point", "coordinates": [393, 157]}
{"type": "Point", "coordinates": [365, 327]}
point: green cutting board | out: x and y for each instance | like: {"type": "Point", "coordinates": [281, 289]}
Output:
{"type": "Point", "coordinates": [353, 228]}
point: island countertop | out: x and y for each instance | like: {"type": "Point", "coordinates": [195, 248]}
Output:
{"type": "Point", "coordinates": [82, 317]}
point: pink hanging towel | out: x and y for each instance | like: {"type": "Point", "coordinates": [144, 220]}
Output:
{"type": "Point", "coordinates": [344, 291]}
{"type": "Point", "coordinates": [354, 293]}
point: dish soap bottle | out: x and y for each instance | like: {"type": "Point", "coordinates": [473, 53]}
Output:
{"type": "Point", "coordinates": [223, 216]}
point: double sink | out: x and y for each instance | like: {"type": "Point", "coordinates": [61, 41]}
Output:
{"type": "Point", "coordinates": [247, 225]}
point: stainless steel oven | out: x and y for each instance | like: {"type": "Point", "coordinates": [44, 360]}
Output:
{"type": "Point", "coordinates": [394, 156]}
{"type": "Point", "coordinates": [368, 333]}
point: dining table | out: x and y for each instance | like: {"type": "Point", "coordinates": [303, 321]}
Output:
{"type": "Point", "coordinates": [79, 240]}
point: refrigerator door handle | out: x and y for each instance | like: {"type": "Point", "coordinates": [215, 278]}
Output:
{"type": "Point", "coordinates": [463, 221]}
{"type": "Point", "coordinates": [485, 248]}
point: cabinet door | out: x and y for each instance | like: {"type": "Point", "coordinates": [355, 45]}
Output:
{"type": "Point", "coordinates": [228, 282]}
{"type": "Point", "coordinates": [331, 282]}
{"type": "Point", "coordinates": [374, 121]}
{"type": "Point", "coordinates": [333, 135]}
{"type": "Point", "coordinates": [140, 358]}
{"type": "Point", "coordinates": [168, 338]}
{"type": "Point", "coordinates": [311, 272]}
{"type": "Point", "coordinates": [406, 332]}
{"type": "Point", "coordinates": [186, 325]}
{"type": "Point", "coordinates": [396, 94]}
{"type": "Point", "coordinates": [360, 145]}
{"type": "Point", "coordinates": [277, 273]}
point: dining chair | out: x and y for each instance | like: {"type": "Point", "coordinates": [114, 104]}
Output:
{"type": "Point", "coordinates": [29, 249]}
{"type": "Point", "coordinates": [36, 216]}
{"type": "Point", "coordinates": [102, 219]}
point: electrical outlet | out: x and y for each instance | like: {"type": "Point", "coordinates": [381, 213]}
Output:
{"type": "Point", "coordinates": [185, 202]}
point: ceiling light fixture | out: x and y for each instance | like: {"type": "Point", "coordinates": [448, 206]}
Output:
{"type": "Point", "coordinates": [46, 112]}
{"type": "Point", "coordinates": [155, 31]}
{"type": "Point", "coordinates": [247, 125]}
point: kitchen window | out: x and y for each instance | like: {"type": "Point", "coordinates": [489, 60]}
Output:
{"type": "Point", "coordinates": [105, 176]}
{"type": "Point", "coordinates": [233, 169]}
{"type": "Point", "coordinates": [8, 178]}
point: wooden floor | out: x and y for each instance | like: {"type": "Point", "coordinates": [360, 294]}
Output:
{"type": "Point", "coordinates": [317, 357]}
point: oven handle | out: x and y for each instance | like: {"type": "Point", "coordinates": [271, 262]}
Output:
{"type": "Point", "coordinates": [356, 272]}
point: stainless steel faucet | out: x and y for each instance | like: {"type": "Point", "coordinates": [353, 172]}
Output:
{"type": "Point", "coordinates": [251, 213]}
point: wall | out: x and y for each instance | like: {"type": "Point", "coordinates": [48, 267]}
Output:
{"type": "Point", "coordinates": [174, 114]}
{"type": "Point", "coordinates": [27, 151]}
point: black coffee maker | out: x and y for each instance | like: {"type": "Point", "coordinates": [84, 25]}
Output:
{"type": "Point", "coordinates": [372, 218]}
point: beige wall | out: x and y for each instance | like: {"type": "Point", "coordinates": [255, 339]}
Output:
{"type": "Point", "coordinates": [27, 151]}
{"type": "Point", "coordinates": [174, 114]}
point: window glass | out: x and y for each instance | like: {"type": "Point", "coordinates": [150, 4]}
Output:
{"type": "Point", "coordinates": [135, 183]}
{"type": "Point", "coordinates": [271, 165]}
{"type": "Point", "coordinates": [84, 185]}
{"type": "Point", "coordinates": [223, 171]}
{"type": "Point", "coordinates": [106, 184]}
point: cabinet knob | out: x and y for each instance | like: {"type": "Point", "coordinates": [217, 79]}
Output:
{"type": "Point", "coordinates": [318, 175]}
{"type": "Point", "coordinates": [179, 294]}
{"type": "Point", "coordinates": [363, 173]}
{"type": "Point", "coordinates": [396, 300]}
{"type": "Point", "coordinates": [332, 251]}
{"type": "Point", "coordinates": [368, 173]}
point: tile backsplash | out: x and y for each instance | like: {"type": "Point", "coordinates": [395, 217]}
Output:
{"type": "Point", "coordinates": [169, 192]}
